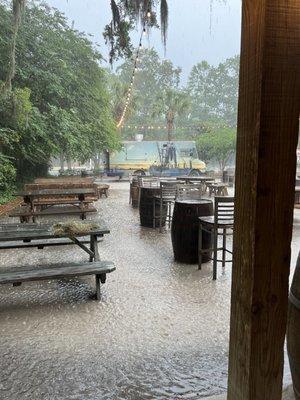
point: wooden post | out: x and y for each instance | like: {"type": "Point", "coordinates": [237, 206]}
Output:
{"type": "Point", "coordinates": [269, 104]}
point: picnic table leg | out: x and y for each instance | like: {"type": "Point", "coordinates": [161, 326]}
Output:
{"type": "Point", "coordinates": [92, 248]}
{"type": "Point", "coordinates": [100, 278]}
{"type": "Point", "coordinates": [81, 198]}
{"type": "Point", "coordinates": [98, 288]}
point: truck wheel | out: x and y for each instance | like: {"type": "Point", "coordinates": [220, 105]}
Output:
{"type": "Point", "coordinates": [139, 172]}
{"type": "Point", "coordinates": [194, 172]}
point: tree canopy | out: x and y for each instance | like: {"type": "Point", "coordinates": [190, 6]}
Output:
{"type": "Point", "coordinates": [211, 92]}
{"type": "Point", "coordinates": [214, 91]}
{"type": "Point", "coordinates": [59, 101]}
{"type": "Point", "coordinates": [126, 14]}
{"type": "Point", "coordinates": [218, 145]}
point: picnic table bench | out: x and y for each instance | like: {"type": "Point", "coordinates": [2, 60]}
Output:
{"type": "Point", "coordinates": [14, 236]}
{"type": "Point", "coordinates": [43, 202]}
{"type": "Point", "coordinates": [39, 273]}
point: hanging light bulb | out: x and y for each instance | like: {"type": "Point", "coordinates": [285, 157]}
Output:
{"type": "Point", "coordinates": [148, 14]}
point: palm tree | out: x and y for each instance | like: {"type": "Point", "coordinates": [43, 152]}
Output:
{"type": "Point", "coordinates": [171, 104]}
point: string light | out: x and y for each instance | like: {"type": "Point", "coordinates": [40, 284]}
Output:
{"type": "Point", "coordinates": [129, 92]}
{"type": "Point", "coordinates": [135, 68]}
{"type": "Point", "coordinates": [178, 127]}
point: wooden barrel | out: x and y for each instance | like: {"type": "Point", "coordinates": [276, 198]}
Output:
{"type": "Point", "coordinates": [146, 207]}
{"type": "Point", "coordinates": [293, 330]}
{"type": "Point", "coordinates": [185, 230]}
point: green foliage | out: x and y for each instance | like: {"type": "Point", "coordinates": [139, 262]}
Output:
{"type": "Point", "coordinates": [7, 177]}
{"type": "Point", "coordinates": [59, 104]}
{"type": "Point", "coordinates": [217, 145]}
{"type": "Point", "coordinates": [209, 98]}
{"type": "Point", "coordinates": [126, 14]}
{"type": "Point", "coordinates": [214, 91]}
{"type": "Point", "coordinates": [171, 104]}
{"type": "Point", "coordinates": [154, 77]}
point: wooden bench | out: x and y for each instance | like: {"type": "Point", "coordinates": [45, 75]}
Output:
{"type": "Point", "coordinates": [57, 202]}
{"type": "Point", "coordinates": [18, 275]}
{"type": "Point", "coordinates": [24, 214]}
{"type": "Point", "coordinates": [41, 244]}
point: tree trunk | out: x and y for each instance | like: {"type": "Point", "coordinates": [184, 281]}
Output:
{"type": "Point", "coordinates": [62, 162]}
{"type": "Point", "coordinates": [18, 7]}
{"type": "Point", "coordinates": [170, 125]}
{"type": "Point", "coordinates": [96, 161]}
{"type": "Point", "coordinates": [69, 163]}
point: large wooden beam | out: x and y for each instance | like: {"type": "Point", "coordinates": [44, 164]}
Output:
{"type": "Point", "coordinates": [269, 105]}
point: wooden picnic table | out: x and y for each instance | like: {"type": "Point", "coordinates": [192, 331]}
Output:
{"type": "Point", "coordinates": [16, 236]}
{"type": "Point", "coordinates": [42, 235]}
{"type": "Point", "coordinates": [37, 202]}
{"type": "Point", "coordinates": [32, 194]}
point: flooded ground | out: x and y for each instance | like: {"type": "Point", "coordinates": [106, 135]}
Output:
{"type": "Point", "coordinates": [160, 331]}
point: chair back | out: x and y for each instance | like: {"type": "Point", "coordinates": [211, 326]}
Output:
{"type": "Point", "coordinates": [168, 189]}
{"type": "Point", "coordinates": [224, 209]}
{"type": "Point", "coordinates": [148, 182]}
{"type": "Point", "coordinates": [189, 191]}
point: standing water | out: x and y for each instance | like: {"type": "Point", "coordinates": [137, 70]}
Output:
{"type": "Point", "coordinates": [160, 331]}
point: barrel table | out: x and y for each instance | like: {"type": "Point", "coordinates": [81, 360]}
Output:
{"type": "Point", "coordinates": [146, 207]}
{"type": "Point", "coordinates": [185, 230]}
{"type": "Point", "coordinates": [293, 330]}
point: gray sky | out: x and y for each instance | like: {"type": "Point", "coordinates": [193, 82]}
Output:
{"type": "Point", "coordinates": [198, 29]}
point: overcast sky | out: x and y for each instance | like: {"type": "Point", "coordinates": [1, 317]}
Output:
{"type": "Point", "coordinates": [198, 29]}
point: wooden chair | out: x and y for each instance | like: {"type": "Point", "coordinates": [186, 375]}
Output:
{"type": "Point", "coordinates": [166, 197]}
{"type": "Point", "coordinates": [133, 184]}
{"type": "Point", "coordinates": [190, 191]}
{"type": "Point", "coordinates": [220, 224]}
{"type": "Point", "coordinates": [149, 181]}
{"type": "Point", "coordinates": [218, 189]}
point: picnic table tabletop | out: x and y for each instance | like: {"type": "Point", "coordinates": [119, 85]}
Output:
{"type": "Point", "coordinates": [55, 192]}
{"type": "Point", "coordinates": [36, 231]}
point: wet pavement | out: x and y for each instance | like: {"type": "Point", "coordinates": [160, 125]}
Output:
{"type": "Point", "coordinates": [160, 331]}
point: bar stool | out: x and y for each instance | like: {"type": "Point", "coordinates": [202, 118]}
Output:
{"type": "Point", "coordinates": [220, 224]}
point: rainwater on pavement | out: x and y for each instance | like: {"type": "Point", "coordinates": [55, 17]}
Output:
{"type": "Point", "coordinates": [160, 331]}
